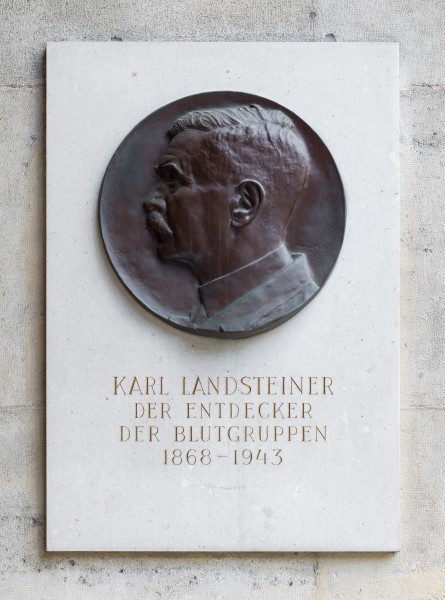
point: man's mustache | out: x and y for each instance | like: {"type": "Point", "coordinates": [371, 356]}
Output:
{"type": "Point", "coordinates": [156, 223]}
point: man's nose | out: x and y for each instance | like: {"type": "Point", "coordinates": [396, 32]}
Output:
{"type": "Point", "coordinates": [155, 201]}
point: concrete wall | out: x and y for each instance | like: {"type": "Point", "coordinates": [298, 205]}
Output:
{"type": "Point", "coordinates": [26, 570]}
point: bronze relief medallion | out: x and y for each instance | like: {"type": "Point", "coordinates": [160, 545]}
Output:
{"type": "Point", "coordinates": [223, 213]}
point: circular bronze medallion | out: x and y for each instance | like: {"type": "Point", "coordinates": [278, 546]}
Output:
{"type": "Point", "coordinates": [223, 213]}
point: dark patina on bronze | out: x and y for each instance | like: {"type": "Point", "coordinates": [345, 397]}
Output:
{"type": "Point", "coordinates": [223, 213]}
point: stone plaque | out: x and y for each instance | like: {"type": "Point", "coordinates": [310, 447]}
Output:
{"type": "Point", "coordinates": [202, 189]}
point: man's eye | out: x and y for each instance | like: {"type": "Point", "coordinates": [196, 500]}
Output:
{"type": "Point", "coordinates": [170, 177]}
{"type": "Point", "coordinates": [173, 184]}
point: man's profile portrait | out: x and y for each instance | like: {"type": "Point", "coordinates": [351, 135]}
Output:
{"type": "Point", "coordinates": [223, 213]}
{"type": "Point", "coordinates": [227, 185]}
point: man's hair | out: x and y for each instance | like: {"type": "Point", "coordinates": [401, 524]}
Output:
{"type": "Point", "coordinates": [256, 142]}
{"type": "Point", "coordinates": [238, 116]}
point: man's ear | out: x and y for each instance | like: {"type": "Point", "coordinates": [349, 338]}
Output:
{"type": "Point", "coordinates": [249, 196]}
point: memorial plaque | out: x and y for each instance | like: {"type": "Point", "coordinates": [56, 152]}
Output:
{"type": "Point", "coordinates": [222, 338]}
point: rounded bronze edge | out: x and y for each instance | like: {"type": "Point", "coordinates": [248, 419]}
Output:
{"type": "Point", "coordinates": [226, 335]}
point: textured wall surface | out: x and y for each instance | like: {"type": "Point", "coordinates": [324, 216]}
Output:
{"type": "Point", "coordinates": [26, 570]}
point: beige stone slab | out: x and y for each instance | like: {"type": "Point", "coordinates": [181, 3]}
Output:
{"type": "Point", "coordinates": [351, 332]}
{"type": "Point", "coordinates": [22, 481]}
{"type": "Point", "coordinates": [22, 246]}
{"type": "Point", "coordinates": [27, 26]}
{"type": "Point", "coordinates": [423, 245]}
{"type": "Point", "coordinates": [411, 574]}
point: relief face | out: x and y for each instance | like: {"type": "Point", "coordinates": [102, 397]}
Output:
{"type": "Point", "coordinates": [223, 213]}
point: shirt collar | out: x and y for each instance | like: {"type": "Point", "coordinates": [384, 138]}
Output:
{"type": "Point", "coordinates": [220, 292]}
